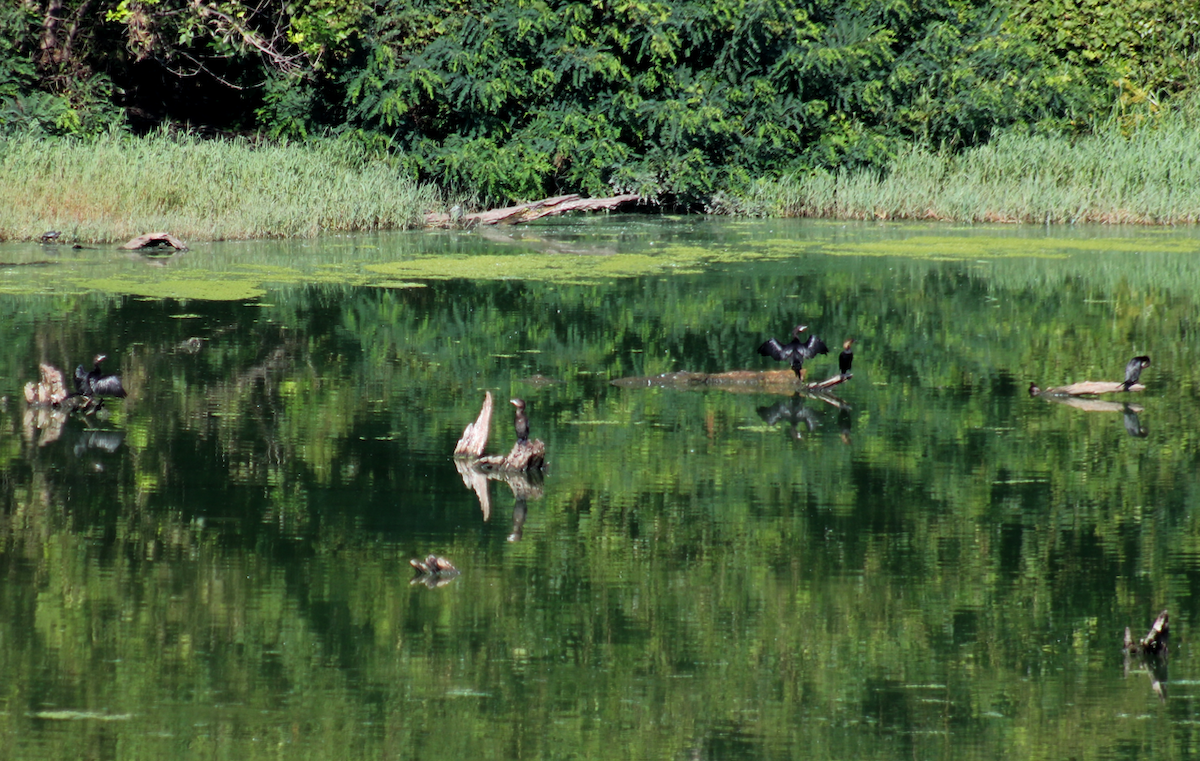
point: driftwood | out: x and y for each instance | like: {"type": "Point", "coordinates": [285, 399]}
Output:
{"type": "Point", "coordinates": [528, 212]}
{"type": "Point", "coordinates": [154, 239]}
{"type": "Point", "coordinates": [1084, 388]}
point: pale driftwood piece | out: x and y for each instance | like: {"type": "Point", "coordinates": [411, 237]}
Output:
{"type": "Point", "coordinates": [528, 212]}
{"type": "Point", "coordinates": [152, 239]}
{"type": "Point", "coordinates": [1085, 388]}
{"type": "Point", "coordinates": [475, 436]}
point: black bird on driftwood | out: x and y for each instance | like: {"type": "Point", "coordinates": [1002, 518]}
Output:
{"type": "Point", "coordinates": [846, 358]}
{"type": "Point", "coordinates": [794, 352]}
{"type": "Point", "coordinates": [1133, 371]}
{"type": "Point", "coordinates": [522, 422]}
{"type": "Point", "coordinates": [96, 383]}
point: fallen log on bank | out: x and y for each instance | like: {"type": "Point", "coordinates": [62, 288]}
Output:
{"type": "Point", "coordinates": [528, 212]}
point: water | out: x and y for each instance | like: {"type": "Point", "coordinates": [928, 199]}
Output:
{"type": "Point", "coordinates": [943, 567]}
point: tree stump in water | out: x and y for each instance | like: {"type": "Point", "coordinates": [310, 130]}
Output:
{"type": "Point", "coordinates": [525, 455]}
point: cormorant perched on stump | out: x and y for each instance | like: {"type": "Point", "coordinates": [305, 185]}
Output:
{"type": "Point", "coordinates": [795, 352]}
{"type": "Point", "coordinates": [522, 422]}
{"type": "Point", "coordinates": [846, 358]}
{"type": "Point", "coordinates": [1133, 371]}
{"type": "Point", "coordinates": [96, 383]}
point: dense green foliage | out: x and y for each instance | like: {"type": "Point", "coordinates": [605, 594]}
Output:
{"type": "Point", "coordinates": [676, 100]}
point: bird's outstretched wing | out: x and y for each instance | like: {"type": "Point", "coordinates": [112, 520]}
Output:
{"type": "Point", "coordinates": [109, 385]}
{"type": "Point", "coordinates": [775, 350]}
{"type": "Point", "coordinates": [814, 347]}
{"type": "Point", "coordinates": [81, 380]}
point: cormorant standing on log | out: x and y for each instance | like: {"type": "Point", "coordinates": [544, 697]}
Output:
{"type": "Point", "coordinates": [846, 358]}
{"type": "Point", "coordinates": [1133, 371]}
{"type": "Point", "coordinates": [96, 383]}
{"type": "Point", "coordinates": [522, 422]}
{"type": "Point", "coordinates": [794, 352]}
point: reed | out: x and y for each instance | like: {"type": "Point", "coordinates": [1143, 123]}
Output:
{"type": "Point", "coordinates": [1148, 176]}
{"type": "Point", "coordinates": [118, 186]}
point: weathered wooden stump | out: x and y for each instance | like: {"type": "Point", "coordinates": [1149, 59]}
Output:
{"type": "Point", "coordinates": [525, 455]}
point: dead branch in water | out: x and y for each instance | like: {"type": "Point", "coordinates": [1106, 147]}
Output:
{"type": "Point", "coordinates": [528, 212]}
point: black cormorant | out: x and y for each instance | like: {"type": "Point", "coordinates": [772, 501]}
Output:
{"type": "Point", "coordinates": [522, 422]}
{"type": "Point", "coordinates": [96, 383]}
{"type": "Point", "coordinates": [1133, 371]}
{"type": "Point", "coordinates": [846, 358]}
{"type": "Point", "coordinates": [795, 352]}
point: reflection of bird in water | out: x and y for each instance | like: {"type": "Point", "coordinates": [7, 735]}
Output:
{"type": "Point", "coordinates": [1132, 425]}
{"type": "Point", "coordinates": [1133, 371]}
{"type": "Point", "coordinates": [846, 358]}
{"type": "Point", "coordinates": [520, 510]}
{"type": "Point", "coordinates": [96, 383]}
{"type": "Point", "coordinates": [792, 411]}
{"type": "Point", "coordinates": [795, 351]}
{"type": "Point", "coordinates": [522, 422]}
{"type": "Point", "coordinates": [105, 441]}
{"type": "Point", "coordinates": [844, 423]}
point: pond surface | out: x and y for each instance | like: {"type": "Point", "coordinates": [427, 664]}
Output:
{"type": "Point", "coordinates": [930, 564]}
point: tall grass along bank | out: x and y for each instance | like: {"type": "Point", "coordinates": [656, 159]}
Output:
{"type": "Point", "coordinates": [1149, 177]}
{"type": "Point", "coordinates": [118, 186]}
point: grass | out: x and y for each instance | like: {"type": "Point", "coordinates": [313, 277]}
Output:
{"type": "Point", "coordinates": [1151, 176]}
{"type": "Point", "coordinates": [118, 186]}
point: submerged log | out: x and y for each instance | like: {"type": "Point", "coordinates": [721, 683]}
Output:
{"type": "Point", "coordinates": [155, 239]}
{"type": "Point", "coordinates": [528, 212]}
{"type": "Point", "coordinates": [1084, 388]}
{"type": "Point", "coordinates": [751, 381]}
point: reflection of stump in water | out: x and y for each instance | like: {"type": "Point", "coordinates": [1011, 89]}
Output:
{"type": "Point", "coordinates": [520, 468]}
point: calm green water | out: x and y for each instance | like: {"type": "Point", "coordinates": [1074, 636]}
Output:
{"type": "Point", "coordinates": [942, 568]}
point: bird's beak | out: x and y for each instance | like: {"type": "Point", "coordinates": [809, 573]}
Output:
{"type": "Point", "coordinates": [800, 329]}
{"type": "Point", "coordinates": [515, 402]}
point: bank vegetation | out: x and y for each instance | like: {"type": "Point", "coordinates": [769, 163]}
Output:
{"type": "Point", "coordinates": [235, 119]}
